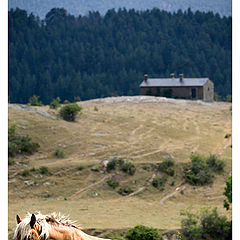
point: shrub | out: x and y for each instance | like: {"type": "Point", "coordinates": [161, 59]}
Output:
{"type": "Point", "coordinates": [59, 153]}
{"type": "Point", "coordinates": [77, 99]}
{"type": "Point", "coordinates": [128, 168]}
{"type": "Point", "coordinates": [55, 103]}
{"type": "Point", "coordinates": [170, 172]}
{"type": "Point", "coordinates": [44, 170]}
{"type": "Point", "coordinates": [166, 166]}
{"type": "Point", "coordinates": [80, 168]}
{"type": "Point", "coordinates": [112, 183]}
{"type": "Point", "coordinates": [12, 149]}
{"type": "Point", "coordinates": [206, 225]}
{"type": "Point", "coordinates": [159, 182]}
{"type": "Point", "coordinates": [215, 163]}
{"type": "Point", "coordinates": [95, 169]}
{"type": "Point", "coordinates": [112, 164]}
{"type": "Point", "coordinates": [66, 102]}
{"type": "Point", "coordinates": [33, 101]}
{"type": "Point", "coordinates": [199, 173]}
{"type": "Point", "coordinates": [20, 144]}
{"type": "Point", "coordinates": [124, 191]}
{"type": "Point", "coordinates": [228, 193]}
{"type": "Point", "coordinates": [228, 135]}
{"type": "Point", "coordinates": [229, 98]}
{"type": "Point", "coordinates": [25, 173]}
{"type": "Point", "coordinates": [143, 233]}
{"type": "Point", "coordinates": [217, 97]}
{"type": "Point", "coordinates": [70, 111]}
{"type": "Point", "coordinates": [26, 145]}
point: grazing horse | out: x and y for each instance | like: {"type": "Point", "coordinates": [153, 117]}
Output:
{"type": "Point", "coordinates": [49, 227]}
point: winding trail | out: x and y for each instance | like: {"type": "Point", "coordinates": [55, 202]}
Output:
{"type": "Point", "coordinates": [177, 190]}
{"type": "Point", "coordinates": [88, 187]}
{"type": "Point", "coordinates": [141, 189]}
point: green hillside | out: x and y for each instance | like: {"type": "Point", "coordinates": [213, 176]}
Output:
{"type": "Point", "coordinates": [142, 131]}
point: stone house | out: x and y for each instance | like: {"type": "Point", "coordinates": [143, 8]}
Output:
{"type": "Point", "coordinates": [184, 88]}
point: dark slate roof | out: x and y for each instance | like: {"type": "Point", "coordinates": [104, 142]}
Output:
{"type": "Point", "coordinates": [173, 82]}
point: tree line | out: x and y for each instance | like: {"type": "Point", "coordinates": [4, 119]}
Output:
{"type": "Point", "coordinates": [97, 56]}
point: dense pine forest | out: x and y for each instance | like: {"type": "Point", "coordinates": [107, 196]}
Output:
{"type": "Point", "coordinates": [96, 56]}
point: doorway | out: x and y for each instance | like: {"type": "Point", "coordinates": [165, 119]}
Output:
{"type": "Point", "coordinates": [194, 93]}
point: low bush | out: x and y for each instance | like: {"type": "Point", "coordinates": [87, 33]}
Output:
{"type": "Point", "coordinates": [111, 165]}
{"type": "Point", "coordinates": [66, 102]}
{"type": "Point", "coordinates": [159, 182]}
{"type": "Point", "coordinates": [70, 111]}
{"type": "Point", "coordinates": [215, 163]}
{"type": "Point", "coordinates": [77, 99]}
{"type": "Point", "coordinates": [59, 153]}
{"type": "Point", "coordinates": [205, 225]}
{"type": "Point", "coordinates": [95, 169]}
{"type": "Point", "coordinates": [25, 173]}
{"type": "Point", "coordinates": [55, 103]}
{"type": "Point", "coordinates": [228, 135]}
{"type": "Point", "coordinates": [143, 233]}
{"type": "Point", "coordinates": [124, 191]}
{"type": "Point", "coordinates": [80, 168]}
{"type": "Point", "coordinates": [33, 101]}
{"type": "Point", "coordinates": [166, 166]}
{"type": "Point", "coordinates": [114, 163]}
{"type": "Point", "coordinates": [113, 183]}
{"type": "Point", "coordinates": [228, 193]}
{"type": "Point", "coordinates": [129, 168]}
{"type": "Point", "coordinates": [26, 145]}
{"type": "Point", "coordinates": [229, 98]}
{"type": "Point", "coordinates": [44, 170]}
{"type": "Point", "coordinates": [20, 144]}
{"type": "Point", "coordinates": [199, 172]}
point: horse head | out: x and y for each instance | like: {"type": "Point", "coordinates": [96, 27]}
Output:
{"type": "Point", "coordinates": [34, 232]}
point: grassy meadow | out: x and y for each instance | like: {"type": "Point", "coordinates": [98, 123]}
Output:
{"type": "Point", "coordinates": [143, 133]}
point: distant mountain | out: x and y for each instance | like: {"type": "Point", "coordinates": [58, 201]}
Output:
{"type": "Point", "coordinates": [82, 7]}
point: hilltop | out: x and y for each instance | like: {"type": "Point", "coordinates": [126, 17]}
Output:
{"type": "Point", "coordinates": [141, 130]}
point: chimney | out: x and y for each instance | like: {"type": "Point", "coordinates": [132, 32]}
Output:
{"type": "Point", "coordinates": [145, 77]}
{"type": "Point", "coordinates": [172, 75]}
{"type": "Point", "coordinates": [181, 77]}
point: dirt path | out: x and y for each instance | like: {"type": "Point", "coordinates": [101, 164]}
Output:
{"type": "Point", "coordinates": [88, 187]}
{"type": "Point", "coordinates": [141, 189]}
{"type": "Point", "coordinates": [177, 190]}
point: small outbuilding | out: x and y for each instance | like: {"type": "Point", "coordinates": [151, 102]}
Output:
{"type": "Point", "coordinates": [184, 88]}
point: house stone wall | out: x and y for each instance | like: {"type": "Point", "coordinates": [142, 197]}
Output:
{"type": "Point", "coordinates": [208, 91]}
{"type": "Point", "coordinates": [177, 92]}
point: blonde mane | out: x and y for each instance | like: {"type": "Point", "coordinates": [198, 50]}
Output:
{"type": "Point", "coordinates": [45, 221]}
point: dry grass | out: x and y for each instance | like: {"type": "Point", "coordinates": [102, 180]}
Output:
{"type": "Point", "coordinates": [140, 133]}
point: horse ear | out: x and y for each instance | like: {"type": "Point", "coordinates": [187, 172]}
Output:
{"type": "Point", "coordinates": [33, 220]}
{"type": "Point", "coordinates": [18, 219]}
